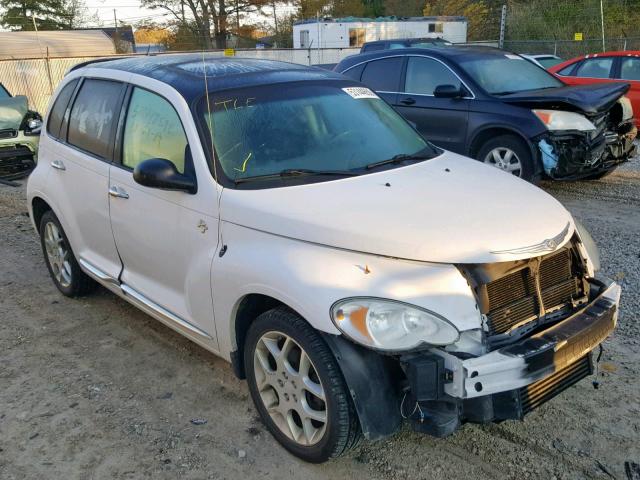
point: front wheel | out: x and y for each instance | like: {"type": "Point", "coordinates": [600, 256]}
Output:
{"type": "Point", "coordinates": [297, 387]}
{"type": "Point", "coordinates": [508, 153]}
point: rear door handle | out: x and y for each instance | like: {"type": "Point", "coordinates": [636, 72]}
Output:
{"type": "Point", "coordinates": [408, 101]}
{"type": "Point", "coordinates": [118, 192]}
{"type": "Point", "coordinates": [58, 165]}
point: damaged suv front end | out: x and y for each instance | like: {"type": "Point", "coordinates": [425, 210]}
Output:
{"type": "Point", "coordinates": [590, 130]}
{"type": "Point", "coordinates": [19, 136]}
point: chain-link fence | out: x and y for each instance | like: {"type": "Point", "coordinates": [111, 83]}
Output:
{"type": "Point", "coordinates": [570, 48]}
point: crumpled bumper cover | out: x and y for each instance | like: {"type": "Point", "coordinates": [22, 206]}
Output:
{"type": "Point", "coordinates": [537, 357]}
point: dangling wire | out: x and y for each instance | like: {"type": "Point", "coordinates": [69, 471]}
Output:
{"type": "Point", "coordinates": [215, 168]}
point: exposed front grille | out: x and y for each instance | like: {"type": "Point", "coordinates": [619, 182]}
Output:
{"type": "Point", "coordinates": [8, 133]}
{"type": "Point", "coordinates": [534, 395]}
{"type": "Point", "coordinates": [514, 299]}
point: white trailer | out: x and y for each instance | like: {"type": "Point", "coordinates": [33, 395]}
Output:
{"type": "Point", "coordinates": [353, 32]}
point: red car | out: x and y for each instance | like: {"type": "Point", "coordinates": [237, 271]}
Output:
{"type": "Point", "coordinates": [604, 67]}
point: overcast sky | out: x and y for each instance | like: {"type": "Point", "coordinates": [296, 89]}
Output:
{"type": "Point", "coordinates": [128, 11]}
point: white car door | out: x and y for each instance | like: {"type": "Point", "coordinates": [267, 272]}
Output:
{"type": "Point", "coordinates": [80, 154]}
{"type": "Point", "coordinates": [166, 239]}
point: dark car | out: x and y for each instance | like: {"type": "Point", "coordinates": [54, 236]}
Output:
{"type": "Point", "coordinates": [404, 43]}
{"type": "Point", "coordinates": [501, 109]}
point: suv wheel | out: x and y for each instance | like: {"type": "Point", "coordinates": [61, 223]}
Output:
{"type": "Point", "coordinates": [508, 153]}
{"type": "Point", "coordinates": [61, 262]}
{"type": "Point", "coordinates": [297, 387]}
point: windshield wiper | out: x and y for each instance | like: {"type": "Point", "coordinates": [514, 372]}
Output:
{"type": "Point", "coordinates": [295, 172]}
{"type": "Point", "coordinates": [401, 157]}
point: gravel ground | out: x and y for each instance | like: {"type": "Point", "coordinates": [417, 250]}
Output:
{"type": "Point", "coordinates": [93, 388]}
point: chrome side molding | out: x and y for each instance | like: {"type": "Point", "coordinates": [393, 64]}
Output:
{"type": "Point", "coordinates": [97, 274]}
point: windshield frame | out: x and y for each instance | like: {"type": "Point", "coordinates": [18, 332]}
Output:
{"type": "Point", "coordinates": [3, 89]}
{"type": "Point", "coordinates": [199, 110]}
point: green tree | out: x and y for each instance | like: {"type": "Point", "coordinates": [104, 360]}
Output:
{"type": "Point", "coordinates": [48, 14]}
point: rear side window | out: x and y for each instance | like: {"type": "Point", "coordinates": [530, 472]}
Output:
{"type": "Point", "coordinates": [94, 115]}
{"type": "Point", "coordinates": [355, 72]}
{"type": "Point", "coordinates": [630, 69]}
{"type": "Point", "coordinates": [56, 115]}
{"type": "Point", "coordinates": [153, 130]}
{"type": "Point", "coordinates": [595, 67]}
{"type": "Point", "coordinates": [425, 74]}
{"type": "Point", "coordinates": [383, 75]}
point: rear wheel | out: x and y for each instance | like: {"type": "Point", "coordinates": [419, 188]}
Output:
{"type": "Point", "coordinates": [508, 153]}
{"type": "Point", "coordinates": [297, 387]}
{"type": "Point", "coordinates": [61, 262]}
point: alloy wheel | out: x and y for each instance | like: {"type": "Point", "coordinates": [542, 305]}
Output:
{"type": "Point", "coordinates": [505, 159]}
{"type": "Point", "coordinates": [290, 388]}
{"type": "Point", "coordinates": [57, 254]}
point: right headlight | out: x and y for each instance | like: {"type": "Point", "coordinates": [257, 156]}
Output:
{"type": "Point", "coordinates": [391, 325]}
{"type": "Point", "coordinates": [589, 245]}
{"type": "Point", "coordinates": [561, 120]}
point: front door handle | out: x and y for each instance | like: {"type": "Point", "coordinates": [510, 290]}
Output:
{"type": "Point", "coordinates": [408, 101]}
{"type": "Point", "coordinates": [58, 165]}
{"type": "Point", "coordinates": [118, 192]}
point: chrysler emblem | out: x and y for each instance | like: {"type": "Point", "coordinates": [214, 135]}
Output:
{"type": "Point", "coordinates": [547, 245]}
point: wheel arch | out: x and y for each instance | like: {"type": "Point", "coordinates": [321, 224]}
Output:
{"type": "Point", "coordinates": [483, 135]}
{"type": "Point", "coordinates": [39, 207]}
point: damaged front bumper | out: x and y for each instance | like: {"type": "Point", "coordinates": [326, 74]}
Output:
{"type": "Point", "coordinates": [18, 153]}
{"type": "Point", "coordinates": [573, 154]}
{"type": "Point", "coordinates": [509, 382]}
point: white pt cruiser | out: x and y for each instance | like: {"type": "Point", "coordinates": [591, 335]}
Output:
{"type": "Point", "coordinates": [288, 220]}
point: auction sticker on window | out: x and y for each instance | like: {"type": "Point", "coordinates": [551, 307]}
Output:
{"type": "Point", "coordinates": [359, 92]}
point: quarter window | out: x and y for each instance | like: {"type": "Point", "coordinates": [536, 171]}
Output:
{"type": "Point", "coordinates": [630, 69]}
{"type": "Point", "coordinates": [425, 74]}
{"type": "Point", "coordinates": [93, 116]}
{"type": "Point", "coordinates": [59, 108]}
{"type": "Point", "coordinates": [595, 68]}
{"type": "Point", "coordinates": [152, 130]}
{"type": "Point", "coordinates": [383, 75]}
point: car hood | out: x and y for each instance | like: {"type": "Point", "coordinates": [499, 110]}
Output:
{"type": "Point", "coordinates": [589, 99]}
{"type": "Point", "coordinates": [450, 209]}
{"type": "Point", "coordinates": [12, 112]}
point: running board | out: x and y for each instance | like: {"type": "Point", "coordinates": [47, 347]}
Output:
{"type": "Point", "coordinates": [140, 300]}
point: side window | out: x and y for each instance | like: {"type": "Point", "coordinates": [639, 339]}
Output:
{"type": "Point", "coordinates": [94, 115]}
{"type": "Point", "coordinates": [355, 72]}
{"type": "Point", "coordinates": [383, 75]}
{"type": "Point", "coordinates": [425, 74]}
{"type": "Point", "coordinates": [595, 67]}
{"type": "Point", "coordinates": [56, 115]}
{"type": "Point", "coordinates": [152, 130]}
{"type": "Point", "coordinates": [630, 69]}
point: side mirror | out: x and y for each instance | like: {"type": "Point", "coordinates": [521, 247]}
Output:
{"type": "Point", "coordinates": [448, 91]}
{"type": "Point", "coordinates": [162, 174]}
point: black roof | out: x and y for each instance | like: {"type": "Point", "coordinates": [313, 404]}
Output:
{"type": "Point", "coordinates": [186, 71]}
{"type": "Point", "coordinates": [452, 52]}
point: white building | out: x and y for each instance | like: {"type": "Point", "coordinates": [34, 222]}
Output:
{"type": "Point", "coordinates": [353, 32]}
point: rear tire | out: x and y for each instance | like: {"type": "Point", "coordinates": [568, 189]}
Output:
{"type": "Point", "coordinates": [509, 153]}
{"type": "Point", "coordinates": [63, 267]}
{"type": "Point", "coordinates": [281, 384]}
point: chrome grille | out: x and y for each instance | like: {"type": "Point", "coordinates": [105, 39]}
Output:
{"type": "Point", "coordinates": [513, 300]}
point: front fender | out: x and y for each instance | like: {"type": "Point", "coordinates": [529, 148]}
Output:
{"type": "Point", "coordinates": [310, 278]}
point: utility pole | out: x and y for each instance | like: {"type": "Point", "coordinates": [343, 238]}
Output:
{"type": "Point", "coordinates": [503, 24]}
{"type": "Point", "coordinates": [237, 19]}
{"type": "Point", "coordinates": [604, 49]}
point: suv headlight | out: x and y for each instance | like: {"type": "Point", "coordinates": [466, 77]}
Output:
{"type": "Point", "coordinates": [560, 120]}
{"type": "Point", "coordinates": [391, 325]}
{"type": "Point", "coordinates": [589, 245]}
{"type": "Point", "coordinates": [34, 126]}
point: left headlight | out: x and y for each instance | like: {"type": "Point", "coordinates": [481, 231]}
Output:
{"type": "Point", "coordinates": [391, 325]}
{"type": "Point", "coordinates": [560, 120]}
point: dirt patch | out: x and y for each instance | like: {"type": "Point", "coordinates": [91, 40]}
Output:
{"type": "Point", "coordinates": [93, 388]}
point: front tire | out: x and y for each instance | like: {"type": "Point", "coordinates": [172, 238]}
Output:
{"type": "Point", "coordinates": [297, 387]}
{"type": "Point", "coordinates": [63, 267]}
{"type": "Point", "coordinates": [508, 153]}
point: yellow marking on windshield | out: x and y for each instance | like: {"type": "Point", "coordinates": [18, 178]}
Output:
{"type": "Point", "coordinates": [244, 164]}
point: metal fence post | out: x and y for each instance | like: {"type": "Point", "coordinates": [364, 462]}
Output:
{"type": "Point", "coordinates": [503, 21]}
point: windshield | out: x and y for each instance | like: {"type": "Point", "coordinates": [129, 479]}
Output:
{"type": "Point", "coordinates": [548, 62]}
{"type": "Point", "coordinates": [310, 126]}
{"type": "Point", "coordinates": [504, 74]}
